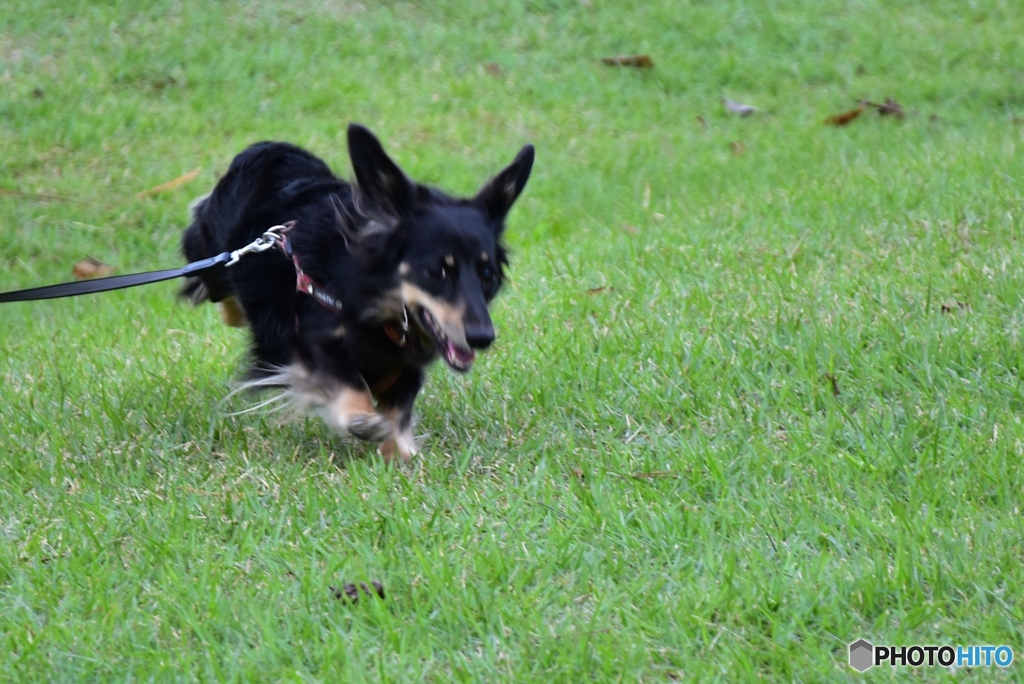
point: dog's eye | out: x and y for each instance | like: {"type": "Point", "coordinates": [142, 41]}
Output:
{"type": "Point", "coordinates": [437, 272]}
{"type": "Point", "coordinates": [487, 274]}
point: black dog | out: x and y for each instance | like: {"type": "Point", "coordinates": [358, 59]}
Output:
{"type": "Point", "coordinates": [391, 274]}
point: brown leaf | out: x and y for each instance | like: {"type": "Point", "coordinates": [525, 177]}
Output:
{"type": "Point", "coordinates": [350, 592]}
{"type": "Point", "coordinates": [738, 107]}
{"type": "Point", "coordinates": [161, 83]}
{"type": "Point", "coordinates": [702, 123]}
{"type": "Point", "coordinates": [888, 108]}
{"type": "Point", "coordinates": [955, 307]}
{"type": "Point", "coordinates": [493, 69]}
{"type": "Point", "coordinates": [892, 108]}
{"type": "Point", "coordinates": [599, 290]}
{"type": "Point", "coordinates": [639, 61]}
{"type": "Point", "coordinates": [170, 185]}
{"type": "Point", "coordinates": [835, 384]}
{"type": "Point", "coordinates": [737, 148]}
{"type": "Point", "coordinates": [844, 118]}
{"type": "Point", "coordinates": [89, 267]}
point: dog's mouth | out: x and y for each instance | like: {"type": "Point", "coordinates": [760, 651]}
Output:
{"type": "Point", "coordinates": [458, 357]}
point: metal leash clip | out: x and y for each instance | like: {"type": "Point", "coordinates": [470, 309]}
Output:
{"type": "Point", "coordinates": [268, 240]}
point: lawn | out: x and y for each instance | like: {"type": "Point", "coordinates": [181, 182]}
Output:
{"type": "Point", "coordinates": [756, 391]}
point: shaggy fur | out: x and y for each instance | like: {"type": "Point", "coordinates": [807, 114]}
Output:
{"type": "Point", "coordinates": [391, 250]}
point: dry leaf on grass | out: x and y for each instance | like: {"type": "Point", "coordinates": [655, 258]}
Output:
{"type": "Point", "coordinates": [350, 592]}
{"type": "Point", "coordinates": [737, 148]}
{"type": "Point", "coordinates": [888, 108]}
{"type": "Point", "coordinates": [493, 69]}
{"type": "Point", "coordinates": [738, 107]}
{"type": "Point", "coordinates": [844, 118]}
{"type": "Point", "coordinates": [835, 384]}
{"type": "Point", "coordinates": [639, 61]}
{"type": "Point", "coordinates": [89, 267]}
{"type": "Point", "coordinates": [170, 185]}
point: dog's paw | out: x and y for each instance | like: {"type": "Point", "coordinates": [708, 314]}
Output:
{"type": "Point", "coordinates": [403, 446]}
{"type": "Point", "coordinates": [371, 427]}
{"type": "Point", "coordinates": [232, 313]}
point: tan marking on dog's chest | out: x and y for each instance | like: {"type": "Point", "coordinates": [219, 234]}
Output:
{"type": "Point", "coordinates": [384, 384]}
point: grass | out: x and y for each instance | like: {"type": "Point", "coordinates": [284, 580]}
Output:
{"type": "Point", "coordinates": [743, 409]}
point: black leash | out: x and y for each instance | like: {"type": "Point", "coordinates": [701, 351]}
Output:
{"type": "Point", "coordinates": [275, 237]}
{"type": "Point", "coordinates": [113, 282]}
{"type": "Point", "coordinates": [269, 239]}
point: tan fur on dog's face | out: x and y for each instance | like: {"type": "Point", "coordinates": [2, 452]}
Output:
{"type": "Point", "coordinates": [450, 317]}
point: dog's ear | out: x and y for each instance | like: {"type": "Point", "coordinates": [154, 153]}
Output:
{"type": "Point", "coordinates": [498, 195]}
{"type": "Point", "coordinates": [379, 178]}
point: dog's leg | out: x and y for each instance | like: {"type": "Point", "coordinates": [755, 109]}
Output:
{"type": "Point", "coordinates": [352, 410]}
{"type": "Point", "coordinates": [397, 405]}
{"type": "Point", "coordinates": [232, 313]}
{"type": "Point", "coordinates": [401, 442]}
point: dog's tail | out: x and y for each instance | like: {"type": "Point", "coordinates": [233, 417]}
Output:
{"type": "Point", "coordinates": [194, 290]}
{"type": "Point", "coordinates": [195, 248]}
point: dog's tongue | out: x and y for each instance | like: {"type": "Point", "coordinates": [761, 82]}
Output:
{"type": "Point", "coordinates": [461, 357]}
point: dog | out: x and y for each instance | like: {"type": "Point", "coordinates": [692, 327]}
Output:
{"type": "Point", "coordinates": [373, 281]}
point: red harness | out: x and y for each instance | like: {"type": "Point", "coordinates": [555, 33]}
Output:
{"type": "Point", "coordinates": [303, 283]}
{"type": "Point", "coordinates": [307, 286]}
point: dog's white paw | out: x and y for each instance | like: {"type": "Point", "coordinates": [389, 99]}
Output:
{"type": "Point", "coordinates": [371, 427]}
{"type": "Point", "coordinates": [352, 411]}
{"type": "Point", "coordinates": [403, 446]}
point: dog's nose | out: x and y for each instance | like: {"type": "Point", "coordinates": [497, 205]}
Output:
{"type": "Point", "coordinates": [480, 336]}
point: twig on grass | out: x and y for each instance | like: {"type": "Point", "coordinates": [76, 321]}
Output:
{"type": "Point", "coordinates": [639, 61]}
{"type": "Point", "coordinates": [169, 185]}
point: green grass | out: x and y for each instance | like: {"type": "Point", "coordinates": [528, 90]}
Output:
{"type": "Point", "coordinates": [651, 481]}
